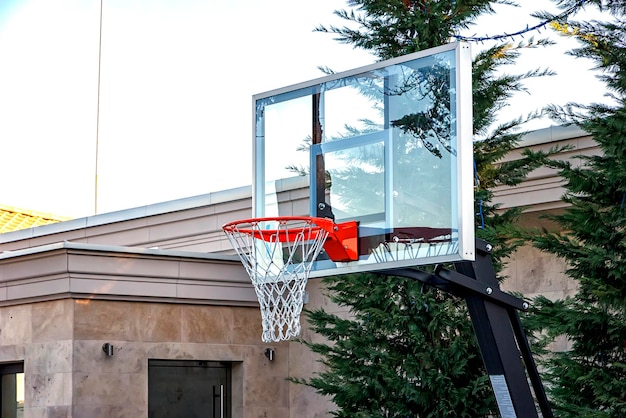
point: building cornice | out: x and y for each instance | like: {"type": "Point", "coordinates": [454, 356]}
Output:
{"type": "Point", "coordinates": [88, 271]}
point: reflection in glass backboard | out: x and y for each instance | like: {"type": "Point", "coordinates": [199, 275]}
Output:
{"type": "Point", "coordinates": [388, 145]}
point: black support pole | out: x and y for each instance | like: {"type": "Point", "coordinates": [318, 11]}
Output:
{"type": "Point", "coordinates": [503, 344]}
{"type": "Point", "coordinates": [531, 368]}
{"type": "Point", "coordinates": [497, 343]}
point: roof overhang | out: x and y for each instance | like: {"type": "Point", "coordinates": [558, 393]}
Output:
{"type": "Point", "coordinates": [91, 271]}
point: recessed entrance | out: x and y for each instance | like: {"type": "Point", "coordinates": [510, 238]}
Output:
{"type": "Point", "coordinates": [189, 388]}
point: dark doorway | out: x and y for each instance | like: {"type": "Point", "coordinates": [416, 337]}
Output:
{"type": "Point", "coordinates": [189, 389]}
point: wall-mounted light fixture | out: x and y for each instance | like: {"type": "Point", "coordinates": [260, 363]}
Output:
{"type": "Point", "coordinates": [108, 349]}
{"type": "Point", "coordinates": [269, 353]}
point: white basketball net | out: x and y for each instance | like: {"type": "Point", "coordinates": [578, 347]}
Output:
{"type": "Point", "coordinates": [279, 267]}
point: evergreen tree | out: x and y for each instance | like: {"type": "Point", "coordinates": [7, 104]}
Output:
{"type": "Point", "coordinates": [409, 350]}
{"type": "Point", "coordinates": [589, 380]}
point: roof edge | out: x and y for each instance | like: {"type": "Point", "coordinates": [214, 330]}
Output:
{"type": "Point", "coordinates": [192, 202]}
{"type": "Point", "coordinates": [551, 134]}
{"type": "Point", "coordinates": [68, 245]}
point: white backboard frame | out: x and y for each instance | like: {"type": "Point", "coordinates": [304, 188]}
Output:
{"type": "Point", "coordinates": [265, 189]}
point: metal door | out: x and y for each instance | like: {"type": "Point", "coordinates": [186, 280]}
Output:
{"type": "Point", "coordinates": [188, 389]}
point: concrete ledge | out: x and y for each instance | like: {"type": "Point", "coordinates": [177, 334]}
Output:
{"type": "Point", "coordinates": [101, 272]}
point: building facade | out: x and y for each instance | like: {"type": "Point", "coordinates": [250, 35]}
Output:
{"type": "Point", "coordinates": [146, 313]}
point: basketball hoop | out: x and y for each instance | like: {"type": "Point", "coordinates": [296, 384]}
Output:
{"type": "Point", "coordinates": [278, 254]}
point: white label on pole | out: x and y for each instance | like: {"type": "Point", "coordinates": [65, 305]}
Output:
{"type": "Point", "coordinates": [503, 396]}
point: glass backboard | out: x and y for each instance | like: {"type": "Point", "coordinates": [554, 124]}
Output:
{"type": "Point", "coordinates": [388, 145]}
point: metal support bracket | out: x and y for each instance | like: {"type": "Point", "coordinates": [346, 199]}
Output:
{"type": "Point", "coordinates": [501, 338]}
{"type": "Point", "coordinates": [342, 243]}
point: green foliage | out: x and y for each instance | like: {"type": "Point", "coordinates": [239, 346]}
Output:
{"type": "Point", "coordinates": [405, 352]}
{"type": "Point", "coordinates": [589, 380]}
{"type": "Point", "coordinates": [617, 7]}
{"type": "Point", "coordinates": [408, 350]}
{"type": "Point", "coordinates": [398, 27]}
{"type": "Point", "coordinates": [491, 90]}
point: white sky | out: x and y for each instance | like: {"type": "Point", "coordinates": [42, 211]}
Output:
{"type": "Point", "coordinates": [177, 79]}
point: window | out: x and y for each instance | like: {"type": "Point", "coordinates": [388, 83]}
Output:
{"type": "Point", "coordinates": [12, 390]}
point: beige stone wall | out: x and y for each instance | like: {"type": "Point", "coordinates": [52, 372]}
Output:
{"type": "Point", "coordinates": [118, 386]}
{"type": "Point", "coordinates": [40, 335]}
{"type": "Point", "coordinates": [68, 375]}
{"type": "Point", "coordinates": [533, 272]}
{"type": "Point", "coordinates": [305, 403]}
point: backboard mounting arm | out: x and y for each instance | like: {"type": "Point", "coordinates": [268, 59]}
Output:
{"type": "Point", "coordinates": [498, 329]}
